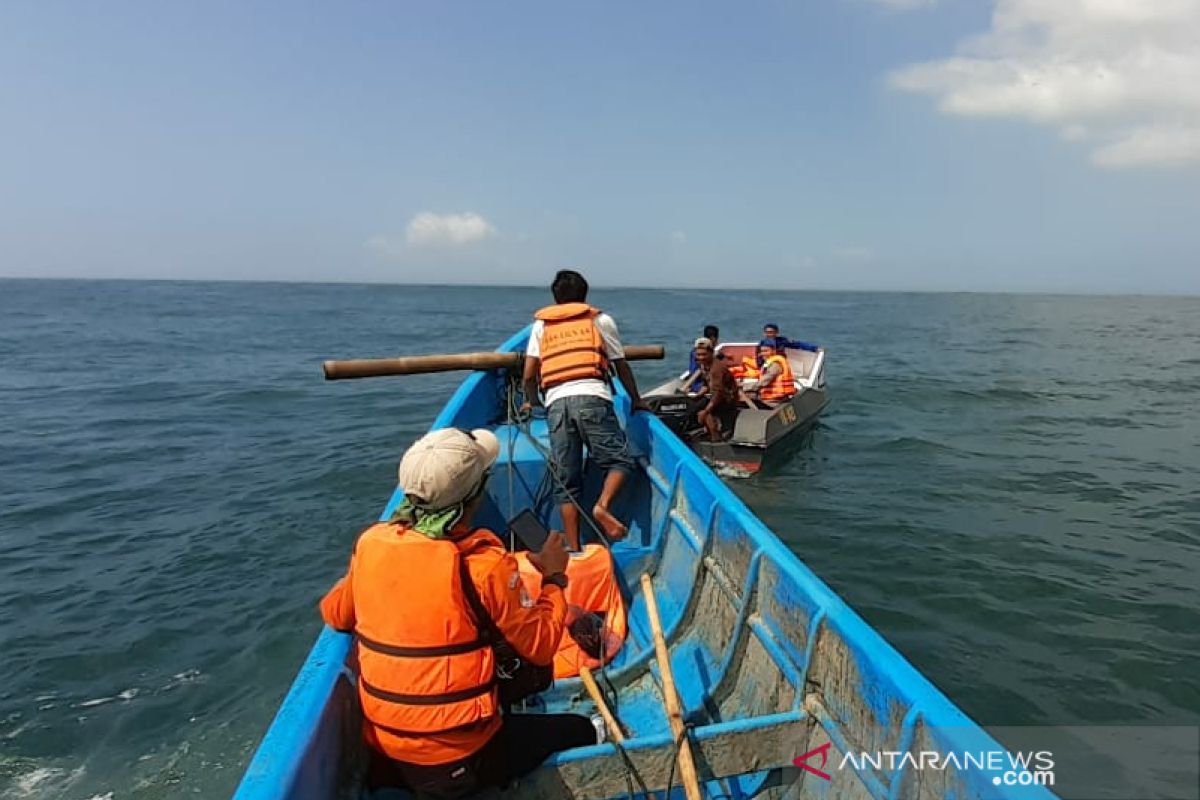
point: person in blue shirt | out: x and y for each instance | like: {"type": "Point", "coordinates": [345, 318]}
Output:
{"type": "Point", "coordinates": [771, 331]}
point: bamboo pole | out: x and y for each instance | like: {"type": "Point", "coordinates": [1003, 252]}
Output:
{"type": "Point", "coordinates": [589, 683]}
{"type": "Point", "coordinates": [614, 726]}
{"type": "Point", "coordinates": [416, 365]}
{"type": "Point", "coordinates": [687, 765]}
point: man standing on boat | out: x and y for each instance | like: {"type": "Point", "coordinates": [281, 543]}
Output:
{"type": "Point", "coordinates": [426, 597]}
{"type": "Point", "coordinates": [572, 348]}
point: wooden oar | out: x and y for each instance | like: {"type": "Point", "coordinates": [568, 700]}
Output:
{"type": "Point", "coordinates": [687, 765]}
{"type": "Point", "coordinates": [589, 683]}
{"type": "Point", "coordinates": [416, 365]}
{"type": "Point", "coordinates": [614, 727]}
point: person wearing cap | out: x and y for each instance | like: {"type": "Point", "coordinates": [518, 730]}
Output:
{"type": "Point", "coordinates": [771, 331]}
{"type": "Point", "coordinates": [719, 386]}
{"type": "Point", "coordinates": [573, 350]}
{"type": "Point", "coordinates": [413, 595]}
{"type": "Point", "coordinates": [692, 380]}
{"type": "Point", "coordinates": [775, 381]}
{"type": "Point", "coordinates": [713, 334]}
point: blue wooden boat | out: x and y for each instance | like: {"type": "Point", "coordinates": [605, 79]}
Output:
{"type": "Point", "coordinates": [771, 665]}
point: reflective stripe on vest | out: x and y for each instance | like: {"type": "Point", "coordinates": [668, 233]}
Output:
{"type": "Point", "coordinates": [572, 348]}
{"type": "Point", "coordinates": [782, 387]}
{"type": "Point", "coordinates": [424, 665]}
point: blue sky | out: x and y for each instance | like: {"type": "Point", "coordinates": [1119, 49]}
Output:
{"type": "Point", "coordinates": [1027, 145]}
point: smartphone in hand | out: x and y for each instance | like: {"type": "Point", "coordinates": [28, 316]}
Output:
{"type": "Point", "coordinates": [529, 530]}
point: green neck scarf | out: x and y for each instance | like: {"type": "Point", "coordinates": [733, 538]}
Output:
{"type": "Point", "coordinates": [435, 524]}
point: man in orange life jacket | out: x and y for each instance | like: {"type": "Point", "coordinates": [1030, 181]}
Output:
{"type": "Point", "coordinates": [426, 666]}
{"type": "Point", "coordinates": [571, 348]}
{"type": "Point", "coordinates": [775, 383]}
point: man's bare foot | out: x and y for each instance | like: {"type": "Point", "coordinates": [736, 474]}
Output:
{"type": "Point", "coordinates": [614, 529]}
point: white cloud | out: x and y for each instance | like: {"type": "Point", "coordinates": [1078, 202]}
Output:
{"type": "Point", "coordinates": [1151, 145]}
{"type": "Point", "coordinates": [1122, 76]}
{"type": "Point", "coordinates": [678, 237]}
{"type": "Point", "coordinates": [428, 228]}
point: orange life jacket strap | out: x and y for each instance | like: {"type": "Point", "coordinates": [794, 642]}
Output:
{"type": "Point", "coordinates": [488, 632]}
{"type": "Point", "coordinates": [402, 732]}
{"type": "Point", "coordinates": [424, 652]}
{"type": "Point", "coordinates": [426, 699]}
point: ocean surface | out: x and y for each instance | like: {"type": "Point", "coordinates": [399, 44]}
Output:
{"type": "Point", "coordinates": [1006, 486]}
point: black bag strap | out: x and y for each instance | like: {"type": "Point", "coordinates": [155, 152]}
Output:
{"type": "Point", "coordinates": [483, 620]}
{"type": "Point", "coordinates": [516, 678]}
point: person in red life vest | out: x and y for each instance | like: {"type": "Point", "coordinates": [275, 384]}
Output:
{"type": "Point", "coordinates": [572, 347]}
{"type": "Point", "coordinates": [427, 679]}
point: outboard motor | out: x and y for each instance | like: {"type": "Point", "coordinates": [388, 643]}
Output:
{"type": "Point", "coordinates": [677, 411]}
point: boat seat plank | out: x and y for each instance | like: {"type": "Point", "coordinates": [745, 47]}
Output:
{"type": "Point", "coordinates": [722, 750]}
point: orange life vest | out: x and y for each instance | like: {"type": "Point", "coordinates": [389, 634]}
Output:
{"type": "Point", "coordinates": [747, 369]}
{"type": "Point", "coordinates": [572, 348]}
{"type": "Point", "coordinates": [429, 669]}
{"type": "Point", "coordinates": [782, 387]}
{"type": "Point", "coordinates": [591, 589]}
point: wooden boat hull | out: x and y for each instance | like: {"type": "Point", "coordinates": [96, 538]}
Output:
{"type": "Point", "coordinates": [770, 663]}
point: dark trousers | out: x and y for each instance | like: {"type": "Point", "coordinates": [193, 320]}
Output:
{"type": "Point", "coordinates": [523, 742]}
{"type": "Point", "coordinates": [581, 420]}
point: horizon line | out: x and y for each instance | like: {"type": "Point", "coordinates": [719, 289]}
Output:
{"type": "Point", "coordinates": [601, 287]}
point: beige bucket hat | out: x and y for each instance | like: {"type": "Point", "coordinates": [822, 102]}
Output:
{"type": "Point", "coordinates": [442, 468]}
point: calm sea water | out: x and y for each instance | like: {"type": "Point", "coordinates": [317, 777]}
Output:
{"type": "Point", "coordinates": [1005, 486]}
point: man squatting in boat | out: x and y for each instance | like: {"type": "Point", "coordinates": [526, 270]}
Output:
{"type": "Point", "coordinates": [695, 381]}
{"type": "Point", "coordinates": [571, 348]}
{"type": "Point", "coordinates": [718, 384]}
{"type": "Point", "coordinates": [422, 593]}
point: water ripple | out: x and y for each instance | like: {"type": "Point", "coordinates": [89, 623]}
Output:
{"type": "Point", "coordinates": [1003, 485]}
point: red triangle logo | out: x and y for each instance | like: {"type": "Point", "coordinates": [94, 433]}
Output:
{"type": "Point", "coordinates": [823, 752]}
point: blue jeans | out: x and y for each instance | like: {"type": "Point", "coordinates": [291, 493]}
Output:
{"type": "Point", "coordinates": [574, 422]}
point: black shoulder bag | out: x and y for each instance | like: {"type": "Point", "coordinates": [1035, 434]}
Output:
{"type": "Point", "coordinates": [516, 678]}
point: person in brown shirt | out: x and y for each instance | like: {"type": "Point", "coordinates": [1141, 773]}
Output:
{"type": "Point", "coordinates": [720, 388]}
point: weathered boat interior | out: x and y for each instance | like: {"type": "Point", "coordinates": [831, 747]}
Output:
{"type": "Point", "coordinates": [769, 662]}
